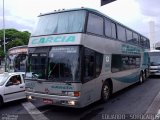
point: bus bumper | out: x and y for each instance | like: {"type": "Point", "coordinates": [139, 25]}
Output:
{"type": "Point", "coordinates": [67, 101]}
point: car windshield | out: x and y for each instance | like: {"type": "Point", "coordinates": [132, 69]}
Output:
{"type": "Point", "coordinates": [155, 58]}
{"type": "Point", "coordinates": [64, 64]}
{"type": "Point", "coordinates": [3, 79]}
{"type": "Point", "coordinates": [62, 22]}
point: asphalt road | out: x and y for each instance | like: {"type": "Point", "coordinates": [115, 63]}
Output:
{"type": "Point", "coordinates": [129, 103]}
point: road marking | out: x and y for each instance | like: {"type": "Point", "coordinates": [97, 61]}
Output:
{"type": "Point", "coordinates": [33, 111]}
{"type": "Point", "coordinates": [154, 107]}
{"type": "Point", "coordinates": [158, 114]}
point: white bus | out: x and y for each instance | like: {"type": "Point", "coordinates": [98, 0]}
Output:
{"type": "Point", "coordinates": [154, 62]}
{"type": "Point", "coordinates": [80, 56]}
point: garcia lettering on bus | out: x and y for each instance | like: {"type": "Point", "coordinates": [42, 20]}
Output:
{"type": "Point", "coordinates": [51, 39]}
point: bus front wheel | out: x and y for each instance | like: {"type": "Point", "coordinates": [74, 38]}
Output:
{"type": "Point", "coordinates": [106, 91]}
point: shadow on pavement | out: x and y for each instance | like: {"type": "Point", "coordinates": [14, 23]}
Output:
{"type": "Point", "coordinates": [12, 104]}
{"type": "Point", "coordinates": [155, 76]}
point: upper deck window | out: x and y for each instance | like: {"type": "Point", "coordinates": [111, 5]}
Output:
{"type": "Point", "coordinates": [135, 38]}
{"type": "Point", "coordinates": [113, 30]}
{"type": "Point", "coordinates": [145, 44]}
{"type": "Point", "coordinates": [64, 22]}
{"type": "Point", "coordinates": [121, 33]}
{"type": "Point", "coordinates": [110, 29]}
{"type": "Point", "coordinates": [95, 24]}
{"type": "Point", "coordinates": [148, 44]}
{"type": "Point", "coordinates": [142, 41]}
{"type": "Point", "coordinates": [129, 36]}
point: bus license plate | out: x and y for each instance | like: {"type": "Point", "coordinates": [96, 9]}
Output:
{"type": "Point", "coordinates": [48, 101]}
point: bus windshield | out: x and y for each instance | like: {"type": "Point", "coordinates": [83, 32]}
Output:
{"type": "Point", "coordinates": [56, 23]}
{"type": "Point", "coordinates": [37, 65]}
{"type": "Point", "coordinates": [64, 64]}
{"type": "Point", "coordinates": [155, 58]}
{"type": "Point", "coordinates": [60, 63]}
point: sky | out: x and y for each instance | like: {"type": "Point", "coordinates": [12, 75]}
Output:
{"type": "Point", "coordinates": [136, 14]}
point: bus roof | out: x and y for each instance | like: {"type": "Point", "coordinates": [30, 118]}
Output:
{"type": "Point", "coordinates": [154, 51]}
{"type": "Point", "coordinates": [91, 10]}
{"type": "Point", "coordinates": [66, 10]}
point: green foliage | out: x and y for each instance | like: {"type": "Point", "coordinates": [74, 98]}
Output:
{"type": "Point", "coordinates": [14, 43]}
{"type": "Point", "coordinates": [13, 38]}
{"type": "Point", "coordinates": [1, 53]}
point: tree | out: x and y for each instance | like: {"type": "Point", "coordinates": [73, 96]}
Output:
{"type": "Point", "coordinates": [1, 53]}
{"type": "Point", "coordinates": [13, 34]}
{"type": "Point", "coordinates": [14, 43]}
{"type": "Point", "coordinates": [13, 38]}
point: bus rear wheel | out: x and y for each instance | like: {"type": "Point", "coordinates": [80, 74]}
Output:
{"type": "Point", "coordinates": [146, 74]}
{"type": "Point", "coordinates": [106, 91]}
{"type": "Point", "coordinates": [141, 78]}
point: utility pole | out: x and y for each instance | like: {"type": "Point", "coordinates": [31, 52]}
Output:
{"type": "Point", "coordinates": [4, 39]}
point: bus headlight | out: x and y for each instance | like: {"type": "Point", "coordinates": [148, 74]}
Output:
{"type": "Point", "coordinates": [29, 97]}
{"type": "Point", "coordinates": [71, 102]}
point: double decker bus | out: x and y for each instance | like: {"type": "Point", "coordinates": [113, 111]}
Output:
{"type": "Point", "coordinates": [79, 56]}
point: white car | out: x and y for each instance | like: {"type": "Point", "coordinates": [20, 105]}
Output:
{"type": "Point", "coordinates": [12, 87]}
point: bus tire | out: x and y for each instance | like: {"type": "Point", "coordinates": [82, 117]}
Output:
{"type": "Point", "coordinates": [146, 74]}
{"type": "Point", "coordinates": [141, 78]}
{"type": "Point", "coordinates": [106, 91]}
{"type": "Point", "coordinates": [1, 101]}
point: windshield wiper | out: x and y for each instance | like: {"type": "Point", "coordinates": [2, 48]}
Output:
{"type": "Point", "coordinates": [68, 82]}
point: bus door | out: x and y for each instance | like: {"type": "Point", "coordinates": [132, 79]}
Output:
{"type": "Point", "coordinates": [91, 69]}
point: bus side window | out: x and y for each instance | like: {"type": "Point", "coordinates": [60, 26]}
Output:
{"type": "Point", "coordinates": [89, 61]}
{"type": "Point", "coordinates": [116, 63]}
{"type": "Point", "coordinates": [95, 21]}
{"type": "Point", "coordinates": [108, 28]}
{"type": "Point", "coordinates": [124, 62]}
{"type": "Point", "coordinates": [129, 36]}
{"type": "Point", "coordinates": [148, 44]}
{"type": "Point", "coordinates": [121, 33]}
{"type": "Point", "coordinates": [113, 25]}
{"type": "Point", "coordinates": [142, 41]}
{"type": "Point", "coordinates": [135, 38]}
{"type": "Point", "coordinates": [92, 64]}
{"type": "Point", "coordinates": [99, 61]}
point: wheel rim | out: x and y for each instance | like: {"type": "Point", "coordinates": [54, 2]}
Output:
{"type": "Point", "coordinates": [141, 78]}
{"type": "Point", "coordinates": [144, 76]}
{"type": "Point", "coordinates": [106, 92]}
